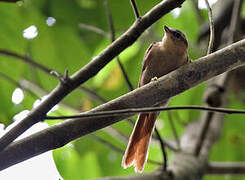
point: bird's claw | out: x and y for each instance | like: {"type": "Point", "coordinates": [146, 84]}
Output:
{"type": "Point", "coordinates": [154, 79]}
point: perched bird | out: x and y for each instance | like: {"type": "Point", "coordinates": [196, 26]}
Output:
{"type": "Point", "coordinates": [160, 59]}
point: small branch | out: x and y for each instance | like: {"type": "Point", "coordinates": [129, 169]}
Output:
{"type": "Point", "coordinates": [26, 59]}
{"type": "Point", "coordinates": [94, 29]}
{"type": "Point", "coordinates": [112, 36]}
{"type": "Point", "coordinates": [164, 154]}
{"type": "Point", "coordinates": [234, 19]}
{"type": "Point", "coordinates": [211, 24]}
{"type": "Point", "coordinates": [10, 1]}
{"type": "Point", "coordinates": [226, 168]}
{"type": "Point", "coordinates": [110, 21]}
{"type": "Point", "coordinates": [173, 129]}
{"type": "Point", "coordinates": [203, 134]}
{"type": "Point", "coordinates": [134, 6]}
{"type": "Point", "coordinates": [132, 111]}
{"type": "Point", "coordinates": [64, 79]}
{"type": "Point", "coordinates": [129, 84]}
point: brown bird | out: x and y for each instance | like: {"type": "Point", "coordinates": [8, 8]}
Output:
{"type": "Point", "coordinates": [160, 59]}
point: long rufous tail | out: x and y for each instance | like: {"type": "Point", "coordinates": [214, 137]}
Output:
{"type": "Point", "coordinates": [138, 145]}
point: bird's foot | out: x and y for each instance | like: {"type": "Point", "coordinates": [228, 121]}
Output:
{"type": "Point", "coordinates": [154, 79]}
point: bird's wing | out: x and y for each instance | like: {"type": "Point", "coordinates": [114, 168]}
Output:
{"type": "Point", "coordinates": [145, 61]}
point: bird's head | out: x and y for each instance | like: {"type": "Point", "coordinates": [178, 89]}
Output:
{"type": "Point", "coordinates": [174, 38]}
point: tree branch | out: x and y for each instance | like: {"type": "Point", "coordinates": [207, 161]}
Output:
{"type": "Point", "coordinates": [153, 93]}
{"type": "Point", "coordinates": [222, 168]}
{"type": "Point", "coordinates": [94, 29]}
{"type": "Point", "coordinates": [164, 154]}
{"type": "Point", "coordinates": [132, 111]}
{"type": "Point", "coordinates": [176, 137]}
{"type": "Point", "coordinates": [26, 60]}
{"type": "Point", "coordinates": [211, 25]}
{"type": "Point", "coordinates": [134, 6]}
{"type": "Point", "coordinates": [10, 1]}
{"type": "Point", "coordinates": [62, 90]}
{"type": "Point", "coordinates": [235, 18]}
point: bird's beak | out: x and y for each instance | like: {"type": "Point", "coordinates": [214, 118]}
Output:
{"type": "Point", "coordinates": [166, 29]}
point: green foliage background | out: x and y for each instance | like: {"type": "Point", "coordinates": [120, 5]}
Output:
{"type": "Point", "coordinates": [66, 46]}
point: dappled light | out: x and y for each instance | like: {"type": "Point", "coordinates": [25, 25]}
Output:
{"type": "Point", "coordinates": [17, 96]}
{"type": "Point", "coordinates": [50, 21]}
{"type": "Point", "coordinates": [30, 32]}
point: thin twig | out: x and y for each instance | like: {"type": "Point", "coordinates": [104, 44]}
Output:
{"type": "Point", "coordinates": [164, 154]}
{"type": "Point", "coordinates": [173, 129]}
{"type": "Point", "coordinates": [203, 134]}
{"type": "Point", "coordinates": [234, 20]}
{"type": "Point", "coordinates": [129, 84]}
{"type": "Point", "coordinates": [112, 36]}
{"type": "Point", "coordinates": [10, 1]}
{"type": "Point", "coordinates": [211, 24]}
{"type": "Point", "coordinates": [94, 29]}
{"type": "Point", "coordinates": [25, 59]}
{"type": "Point", "coordinates": [132, 111]}
{"type": "Point", "coordinates": [134, 6]}
{"type": "Point", "coordinates": [223, 168]}
{"type": "Point", "coordinates": [110, 21]}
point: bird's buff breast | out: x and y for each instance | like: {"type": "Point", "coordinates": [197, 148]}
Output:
{"type": "Point", "coordinates": [163, 62]}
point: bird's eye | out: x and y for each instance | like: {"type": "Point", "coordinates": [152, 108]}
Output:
{"type": "Point", "coordinates": [177, 35]}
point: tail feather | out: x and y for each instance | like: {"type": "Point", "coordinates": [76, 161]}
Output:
{"type": "Point", "coordinates": [137, 150]}
{"type": "Point", "coordinates": [129, 155]}
{"type": "Point", "coordinates": [143, 145]}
